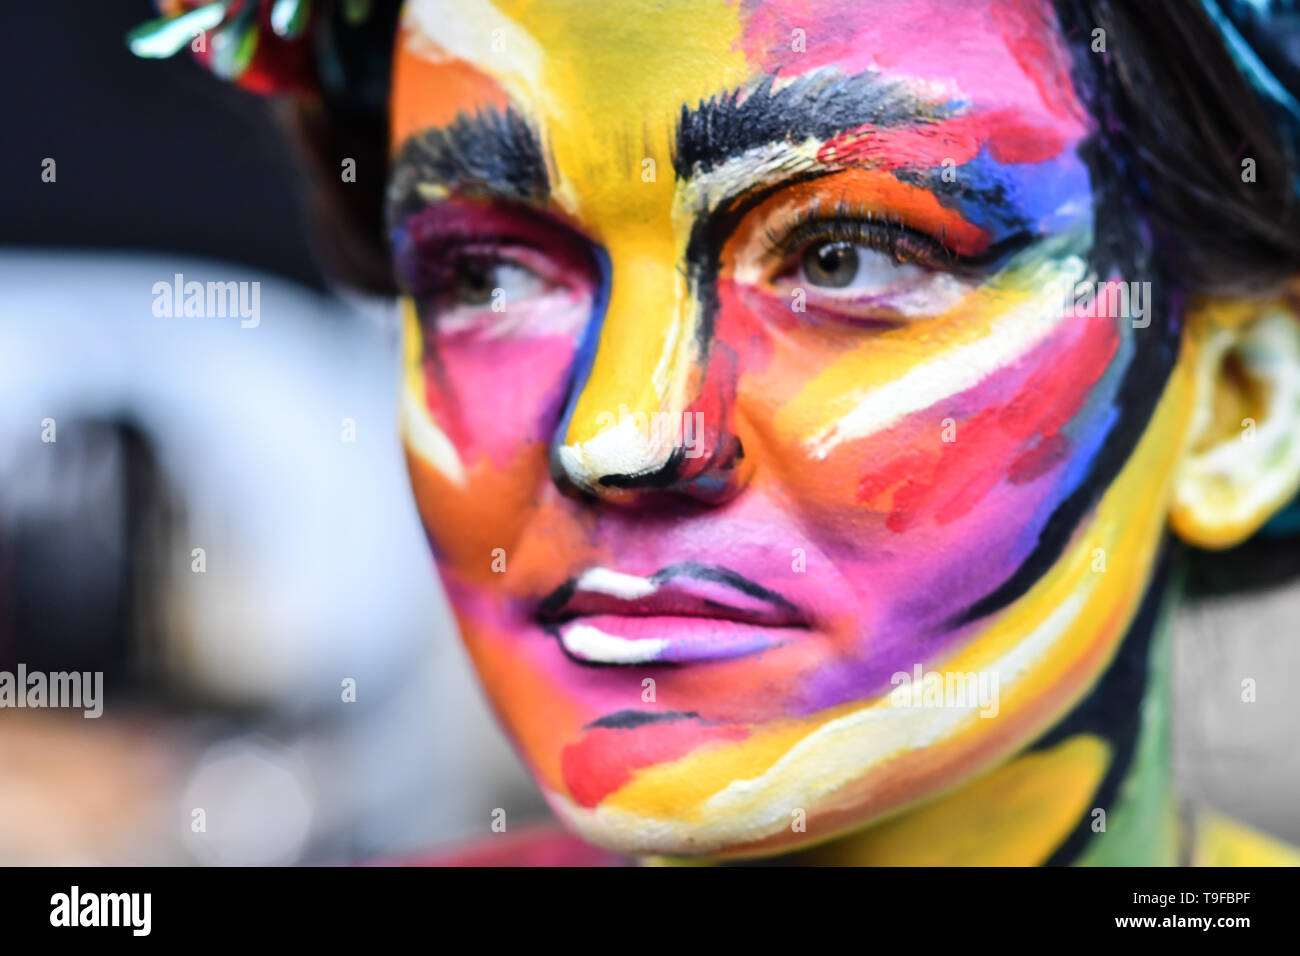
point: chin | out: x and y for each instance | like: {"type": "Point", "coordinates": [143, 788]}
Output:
{"type": "Point", "coordinates": [764, 832]}
{"type": "Point", "coordinates": [816, 792]}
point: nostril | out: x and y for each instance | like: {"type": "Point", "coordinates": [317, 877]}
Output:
{"type": "Point", "coordinates": [716, 477]}
{"type": "Point", "coordinates": [639, 449]}
{"type": "Point", "coordinates": [711, 479]}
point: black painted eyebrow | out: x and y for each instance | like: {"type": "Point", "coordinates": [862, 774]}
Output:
{"type": "Point", "coordinates": [819, 105]}
{"type": "Point", "coordinates": [492, 151]}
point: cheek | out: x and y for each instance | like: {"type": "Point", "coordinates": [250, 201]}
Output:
{"type": "Point", "coordinates": [968, 479]}
{"type": "Point", "coordinates": [985, 449]}
{"type": "Point", "coordinates": [467, 523]}
{"type": "Point", "coordinates": [495, 399]}
{"type": "Point", "coordinates": [496, 403]}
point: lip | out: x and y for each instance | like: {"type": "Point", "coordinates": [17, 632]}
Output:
{"type": "Point", "coordinates": [685, 613]}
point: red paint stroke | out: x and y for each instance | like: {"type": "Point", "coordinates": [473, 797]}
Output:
{"type": "Point", "coordinates": [1010, 138]}
{"type": "Point", "coordinates": [1016, 441]}
{"type": "Point", "coordinates": [606, 758]}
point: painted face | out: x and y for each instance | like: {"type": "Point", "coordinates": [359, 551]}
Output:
{"type": "Point", "coordinates": [749, 385]}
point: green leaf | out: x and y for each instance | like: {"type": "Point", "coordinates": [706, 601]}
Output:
{"type": "Point", "coordinates": [289, 17]}
{"type": "Point", "coordinates": [159, 39]}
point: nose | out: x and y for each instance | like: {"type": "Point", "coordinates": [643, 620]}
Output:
{"type": "Point", "coordinates": [652, 410]}
{"type": "Point", "coordinates": [638, 453]}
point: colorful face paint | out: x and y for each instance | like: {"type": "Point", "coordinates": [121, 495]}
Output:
{"type": "Point", "coordinates": [746, 371]}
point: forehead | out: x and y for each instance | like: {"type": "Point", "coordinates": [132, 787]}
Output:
{"type": "Point", "coordinates": [606, 86]}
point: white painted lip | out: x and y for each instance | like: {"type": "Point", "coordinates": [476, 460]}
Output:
{"type": "Point", "coordinates": [615, 583]}
{"type": "Point", "coordinates": [685, 613]}
{"type": "Point", "coordinates": [666, 640]}
{"type": "Point", "coordinates": [588, 643]}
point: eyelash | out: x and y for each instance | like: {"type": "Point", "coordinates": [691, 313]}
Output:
{"type": "Point", "coordinates": [428, 271]}
{"type": "Point", "coordinates": [845, 222]}
{"type": "Point", "coordinates": [432, 244]}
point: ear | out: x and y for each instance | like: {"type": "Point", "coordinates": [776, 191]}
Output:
{"type": "Point", "coordinates": [1243, 457]}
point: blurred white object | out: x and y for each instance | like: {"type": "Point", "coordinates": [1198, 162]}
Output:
{"type": "Point", "coordinates": [315, 569]}
{"type": "Point", "coordinates": [248, 805]}
{"type": "Point", "coordinates": [281, 442]}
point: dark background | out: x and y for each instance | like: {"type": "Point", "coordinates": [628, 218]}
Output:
{"type": "Point", "coordinates": [151, 154]}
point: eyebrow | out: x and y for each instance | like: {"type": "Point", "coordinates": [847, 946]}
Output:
{"type": "Point", "coordinates": [491, 151]}
{"type": "Point", "coordinates": [496, 152]}
{"type": "Point", "coordinates": [818, 105]}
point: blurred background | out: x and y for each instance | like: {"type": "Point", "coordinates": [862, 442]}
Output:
{"type": "Point", "coordinates": [274, 451]}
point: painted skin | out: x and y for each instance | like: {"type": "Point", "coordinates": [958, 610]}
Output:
{"type": "Point", "coordinates": [738, 382]}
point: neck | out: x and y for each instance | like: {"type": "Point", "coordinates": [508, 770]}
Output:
{"type": "Point", "coordinates": [1095, 789]}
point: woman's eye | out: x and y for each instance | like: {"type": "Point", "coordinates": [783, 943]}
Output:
{"type": "Point", "coordinates": [485, 273]}
{"type": "Point", "coordinates": [841, 265]}
{"type": "Point", "coordinates": [832, 264]}
{"type": "Point", "coordinates": [490, 293]}
{"type": "Point", "coordinates": [480, 282]}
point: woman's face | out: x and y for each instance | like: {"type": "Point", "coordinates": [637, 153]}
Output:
{"type": "Point", "coordinates": [740, 381]}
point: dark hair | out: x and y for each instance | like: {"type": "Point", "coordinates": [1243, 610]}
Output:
{"type": "Point", "coordinates": [349, 121]}
{"type": "Point", "coordinates": [346, 220]}
{"type": "Point", "coordinates": [1171, 101]}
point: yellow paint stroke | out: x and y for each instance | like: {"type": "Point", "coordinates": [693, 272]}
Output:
{"type": "Point", "coordinates": [1016, 815]}
{"type": "Point", "coordinates": [595, 82]}
{"type": "Point", "coordinates": [926, 361]}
